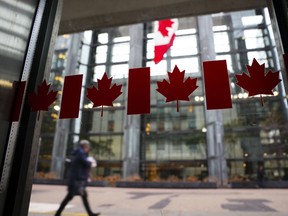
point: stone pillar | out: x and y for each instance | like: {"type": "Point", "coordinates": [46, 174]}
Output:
{"type": "Point", "coordinates": [63, 125]}
{"type": "Point", "coordinates": [132, 123]}
{"type": "Point", "coordinates": [214, 119]}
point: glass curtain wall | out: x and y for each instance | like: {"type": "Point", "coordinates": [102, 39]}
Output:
{"type": "Point", "coordinates": [48, 128]}
{"type": "Point", "coordinates": [111, 55]}
{"type": "Point", "coordinates": [173, 144]}
{"type": "Point", "coordinates": [254, 135]}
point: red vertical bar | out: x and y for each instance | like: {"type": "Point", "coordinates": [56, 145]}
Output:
{"type": "Point", "coordinates": [217, 86]}
{"type": "Point", "coordinates": [20, 86]}
{"type": "Point", "coordinates": [71, 96]}
{"type": "Point", "coordinates": [139, 91]}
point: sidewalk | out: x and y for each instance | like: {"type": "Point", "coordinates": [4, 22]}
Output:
{"type": "Point", "coordinates": [164, 202]}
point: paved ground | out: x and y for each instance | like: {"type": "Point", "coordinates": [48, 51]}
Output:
{"type": "Point", "coordinates": [164, 202]}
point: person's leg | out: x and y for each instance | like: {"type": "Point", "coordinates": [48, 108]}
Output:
{"type": "Point", "coordinates": [68, 198]}
{"type": "Point", "coordinates": [86, 204]}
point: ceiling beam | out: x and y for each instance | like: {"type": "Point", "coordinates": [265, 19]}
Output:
{"type": "Point", "coordinates": [92, 14]}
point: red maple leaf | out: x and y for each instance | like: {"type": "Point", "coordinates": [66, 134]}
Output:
{"type": "Point", "coordinates": [43, 99]}
{"type": "Point", "coordinates": [105, 94]}
{"type": "Point", "coordinates": [163, 25]}
{"type": "Point", "coordinates": [257, 82]}
{"type": "Point", "coordinates": [177, 89]}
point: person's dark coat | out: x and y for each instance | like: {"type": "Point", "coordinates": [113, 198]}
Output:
{"type": "Point", "coordinates": [260, 174]}
{"type": "Point", "coordinates": [79, 170]}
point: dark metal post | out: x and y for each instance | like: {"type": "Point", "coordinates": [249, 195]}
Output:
{"type": "Point", "coordinates": [280, 13]}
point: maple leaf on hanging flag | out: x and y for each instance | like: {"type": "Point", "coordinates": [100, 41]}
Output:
{"type": "Point", "coordinates": [177, 89]}
{"type": "Point", "coordinates": [105, 94]}
{"type": "Point", "coordinates": [163, 25]}
{"type": "Point", "coordinates": [257, 82]}
{"type": "Point", "coordinates": [43, 99]}
{"type": "Point", "coordinates": [164, 37]}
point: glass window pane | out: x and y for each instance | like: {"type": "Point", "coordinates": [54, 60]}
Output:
{"type": "Point", "coordinates": [150, 49]}
{"type": "Point", "coordinates": [119, 71]}
{"type": "Point", "coordinates": [190, 65]}
{"type": "Point", "coordinates": [261, 57]}
{"type": "Point", "coordinates": [185, 31]}
{"type": "Point", "coordinates": [221, 41]}
{"type": "Point", "coordinates": [120, 52]}
{"type": "Point", "coordinates": [228, 61]}
{"type": "Point", "coordinates": [120, 49]}
{"type": "Point", "coordinates": [157, 69]}
{"type": "Point", "coordinates": [101, 58]}
{"type": "Point", "coordinates": [120, 58]}
{"type": "Point", "coordinates": [121, 39]}
{"type": "Point", "coordinates": [184, 45]}
{"type": "Point", "coordinates": [99, 72]}
{"type": "Point", "coordinates": [102, 49]}
{"type": "Point", "coordinates": [103, 38]}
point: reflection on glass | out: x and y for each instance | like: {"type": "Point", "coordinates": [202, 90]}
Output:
{"type": "Point", "coordinates": [16, 19]}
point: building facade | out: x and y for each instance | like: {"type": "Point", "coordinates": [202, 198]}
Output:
{"type": "Point", "coordinates": [190, 145]}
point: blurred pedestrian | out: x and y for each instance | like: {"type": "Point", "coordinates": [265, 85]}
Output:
{"type": "Point", "coordinates": [260, 176]}
{"type": "Point", "coordinates": [78, 177]}
{"type": "Point", "coordinates": [285, 177]}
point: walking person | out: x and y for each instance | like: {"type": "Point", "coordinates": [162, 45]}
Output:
{"type": "Point", "coordinates": [260, 176]}
{"type": "Point", "coordinates": [78, 177]}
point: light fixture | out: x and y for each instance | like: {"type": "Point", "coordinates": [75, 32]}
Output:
{"type": "Point", "coordinates": [275, 93]}
{"type": "Point", "coordinates": [56, 107]}
{"type": "Point", "coordinates": [245, 95]}
{"type": "Point", "coordinates": [6, 83]}
{"type": "Point", "coordinates": [117, 104]}
{"type": "Point", "coordinates": [90, 105]}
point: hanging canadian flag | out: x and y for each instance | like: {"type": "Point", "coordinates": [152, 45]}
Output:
{"type": "Point", "coordinates": [164, 37]}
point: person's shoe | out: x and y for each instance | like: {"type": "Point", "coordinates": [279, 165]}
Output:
{"type": "Point", "coordinates": [95, 214]}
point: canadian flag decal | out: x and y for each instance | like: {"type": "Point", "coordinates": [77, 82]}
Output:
{"type": "Point", "coordinates": [164, 37]}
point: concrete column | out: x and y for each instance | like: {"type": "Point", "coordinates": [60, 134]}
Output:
{"type": "Point", "coordinates": [63, 125]}
{"type": "Point", "coordinates": [132, 123]}
{"type": "Point", "coordinates": [214, 119]}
